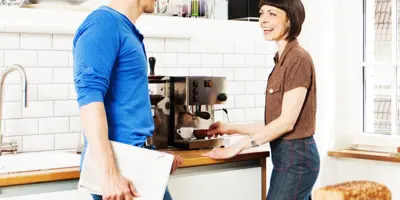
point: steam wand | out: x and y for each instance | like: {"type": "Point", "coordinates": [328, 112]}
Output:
{"type": "Point", "coordinates": [225, 111]}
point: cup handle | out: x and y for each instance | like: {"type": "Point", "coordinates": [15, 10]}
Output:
{"type": "Point", "coordinates": [178, 131]}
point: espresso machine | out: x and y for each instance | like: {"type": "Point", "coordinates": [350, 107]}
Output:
{"type": "Point", "coordinates": [184, 101]}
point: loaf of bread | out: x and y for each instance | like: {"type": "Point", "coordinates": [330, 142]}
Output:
{"type": "Point", "coordinates": [353, 190]}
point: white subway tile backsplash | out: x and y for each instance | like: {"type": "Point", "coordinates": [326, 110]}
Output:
{"type": "Point", "coordinates": [177, 45]}
{"type": "Point", "coordinates": [38, 143]}
{"type": "Point", "coordinates": [244, 101]}
{"type": "Point", "coordinates": [66, 108]}
{"type": "Point", "coordinates": [38, 109]}
{"type": "Point", "coordinates": [39, 75]}
{"type": "Point", "coordinates": [14, 93]}
{"type": "Point", "coordinates": [255, 87]}
{"type": "Point", "coordinates": [254, 60]}
{"type": "Point", "coordinates": [52, 122]}
{"type": "Point", "coordinates": [21, 57]}
{"type": "Point", "coordinates": [70, 59]}
{"type": "Point", "coordinates": [212, 60]}
{"type": "Point", "coordinates": [53, 58]}
{"type": "Point", "coordinates": [244, 47]}
{"type": "Point", "coordinates": [16, 127]}
{"type": "Point", "coordinates": [54, 125]}
{"type": "Point", "coordinates": [269, 60]}
{"type": "Point", "coordinates": [62, 42]}
{"type": "Point", "coordinates": [254, 114]}
{"type": "Point", "coordinates": [9, 40]}
{"type": "Point", "coordinates": [53, 91]}
{"type": "Point", "coordinates": [221, 46]}
{"type": "Point", "coordinates": [244, 74]}
{"type": "Point", "coordinates": [154, 44]}
{"type": "Point", "coordinates": [197, 46]}
{"type": "Point", "coordinates": [36, 41]}
{"type": "Point", "coordinates": [212, 46]}
{"type": "Point", "coordinates": [12, 78]}
{"type": "Point", "coordinates": [265, 47]}
{"type": "Point", "coordinates": [235, 87]}
{"type": "Point", "coordinates": [1, 58]}
{"type": "Point", "coordinates": [75, 124]}
{"type": "Point", "coordinates": [177, 71]}
{"type": "Point", "coordinates": [233, 60]}
{"type": "Point", "coordinates": [262, 73]}
{"type": "Point", "coordinates": [11, 110]}
{"type": "Point", "coordinates": [228, 73]}
{"type": "Point", "coordinates": [201, 71]}
{"type": "Point", "coordinates": [66, 141]}
{"type": "Point", "coordinates": [186, 59]}
{"type": "Point", "coordinates": [72, 92]}
{"type": "Point", "coordinates": [235, 115]}
{"type": "Point", "coordinates": [63, 75]}
{"type": "Point", "coordinates": [3, 126]}
{"type": "Point", "coordinates": [260, 100]}
{"type": "Point", "coordinates": [165, 60]}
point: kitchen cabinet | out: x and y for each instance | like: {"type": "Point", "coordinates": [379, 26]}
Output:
{"type": "Point", "coordinates": [241, 177]}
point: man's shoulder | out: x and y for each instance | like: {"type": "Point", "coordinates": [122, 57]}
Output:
{"type": "Point", "coordinates": [99, 18]}
{"type": "Point", "coordinates": [98, 21]}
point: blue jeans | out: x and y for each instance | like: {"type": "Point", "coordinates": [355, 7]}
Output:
{"type": "Point", "coordinates": [296, 165]}
{"type": "Point", "coordinates": [167, 196]}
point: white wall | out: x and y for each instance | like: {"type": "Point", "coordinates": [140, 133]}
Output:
{"type": "Point", "coordinates": [333, 39]}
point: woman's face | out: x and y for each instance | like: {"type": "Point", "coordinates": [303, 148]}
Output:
{"type": "Point", "coordinates": [274, 23]}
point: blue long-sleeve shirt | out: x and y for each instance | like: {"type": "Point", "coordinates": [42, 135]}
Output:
{"type": "Point", "coordinates": [110, 66]}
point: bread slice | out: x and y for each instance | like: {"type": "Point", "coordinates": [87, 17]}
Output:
{"type": "Point", "coordinates": [353, 190]}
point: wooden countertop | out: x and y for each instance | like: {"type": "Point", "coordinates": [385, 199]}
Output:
{"type": "Point", "coordinates": [192, 158]}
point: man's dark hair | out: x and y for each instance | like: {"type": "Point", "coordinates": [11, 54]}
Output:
{"type": "Point", "coordinates": [295, 12]}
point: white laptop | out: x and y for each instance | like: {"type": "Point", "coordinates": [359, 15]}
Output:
{"type": "Point", "coordinates": [149, 170]}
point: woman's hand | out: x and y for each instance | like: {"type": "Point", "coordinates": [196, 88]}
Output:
{"type": "Point", "coordinates": [217, 128]}
{"type": "Point", "coordinates": [224, 153]}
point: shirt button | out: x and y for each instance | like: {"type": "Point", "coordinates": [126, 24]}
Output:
{"type": "Point", "coordinates": [271, 90]}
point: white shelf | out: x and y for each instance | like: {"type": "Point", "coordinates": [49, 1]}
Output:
{"type": "Point", "coordinates": [66, 21]}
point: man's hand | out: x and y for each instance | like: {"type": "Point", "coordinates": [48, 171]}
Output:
{"type": "Point", "coordinates": [115, 186]}
{"type": "Point", "coordinates": [177, 161]}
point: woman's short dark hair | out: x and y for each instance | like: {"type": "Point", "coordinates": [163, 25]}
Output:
{"type": "Point", "coordinates": [295, 12]}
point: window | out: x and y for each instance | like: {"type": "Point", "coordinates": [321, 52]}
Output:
{"type": "Point", "coordinates": [381, 68]}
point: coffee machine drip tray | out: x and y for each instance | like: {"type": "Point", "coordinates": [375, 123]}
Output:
{"type": "Point", "coordinates": [199, 143]}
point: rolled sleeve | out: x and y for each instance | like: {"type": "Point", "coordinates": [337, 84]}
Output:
{"type": "Point", "coordinates": [298, 74]}
{"type": "Point", "coordinates": [95, 52]}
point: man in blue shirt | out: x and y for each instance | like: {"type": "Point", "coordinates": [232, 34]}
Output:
{"type": "Point", "coordinates": [110, 75]}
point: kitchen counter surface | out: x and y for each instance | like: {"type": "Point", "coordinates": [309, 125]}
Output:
{"type": "Point", "coordinates": [192, 158]}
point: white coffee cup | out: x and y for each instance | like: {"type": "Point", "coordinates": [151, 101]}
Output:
{"type": "Point", "coordinates": [186, 132]}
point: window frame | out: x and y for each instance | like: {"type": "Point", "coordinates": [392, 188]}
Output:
{"type": "Point", "coordinates": [367, 138]}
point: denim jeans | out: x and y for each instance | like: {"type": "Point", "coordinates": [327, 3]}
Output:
{"type": "Point", "coordinates": [167, 196]}
{"type": "Point", "coordinates": [296, 165]}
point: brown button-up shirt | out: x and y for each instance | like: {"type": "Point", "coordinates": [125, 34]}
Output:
{"type": "Point", "coordinates": [293, 69]}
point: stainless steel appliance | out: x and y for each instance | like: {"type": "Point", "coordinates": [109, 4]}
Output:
{"type": "Point", "coordinates": [184, 101]}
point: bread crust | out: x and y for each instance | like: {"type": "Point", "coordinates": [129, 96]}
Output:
{"type": "Point", "coordinates": [353, 190]}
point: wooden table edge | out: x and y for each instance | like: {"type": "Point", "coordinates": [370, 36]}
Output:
{"type": "Point", "coordinates": [365, 155]}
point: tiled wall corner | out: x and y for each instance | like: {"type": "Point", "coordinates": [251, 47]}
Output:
{"type": "Point", "coordinates": [51, 121]}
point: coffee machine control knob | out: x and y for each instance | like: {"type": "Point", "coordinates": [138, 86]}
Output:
{"type": "Point", "coordinates": [222, 97]}
{"type": "Point", "coordinates": [195, 83]}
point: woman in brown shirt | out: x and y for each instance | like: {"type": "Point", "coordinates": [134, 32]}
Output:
{"type": "Point", "coordinates": [290, 108]}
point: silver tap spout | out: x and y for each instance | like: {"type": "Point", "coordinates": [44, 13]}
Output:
{"type": "Point", "coordinates": [3, 76]}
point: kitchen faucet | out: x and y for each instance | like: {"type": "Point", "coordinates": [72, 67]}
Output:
{"type": "Point", "coordinates": [11, 146]}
